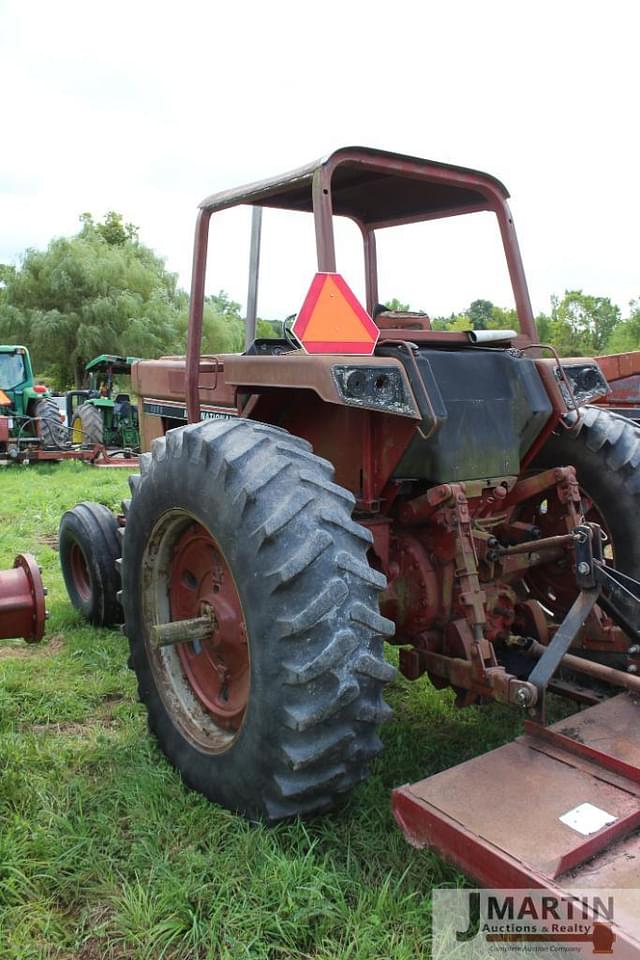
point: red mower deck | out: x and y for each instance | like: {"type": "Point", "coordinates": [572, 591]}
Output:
{"type": "Point", "coordinates": [499, 817]}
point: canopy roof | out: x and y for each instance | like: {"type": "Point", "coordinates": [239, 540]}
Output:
{"type": "Point", "coordinates": [374, 187]}
{"type": "Point", "coordinates": [106, 360]}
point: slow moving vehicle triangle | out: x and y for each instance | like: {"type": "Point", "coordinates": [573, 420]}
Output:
{"type": "Point", "coordinates": [333, 321]}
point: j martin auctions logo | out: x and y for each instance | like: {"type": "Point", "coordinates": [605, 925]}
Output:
{"type": "Point", "coordinates": [538, 918]}
{"type": "Point", "coordinates": [470, 924]}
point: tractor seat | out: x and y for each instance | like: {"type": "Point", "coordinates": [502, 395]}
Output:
{"type": "Point", "coordinates": [122, 406]}
{"type": "Point", "coordinates": [400, 319]}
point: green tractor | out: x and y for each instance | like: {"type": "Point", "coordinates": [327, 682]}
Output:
{"type": "Point", "coordinates": [31, 424]}
{"type": "Point", "coordinates": [95, 415]}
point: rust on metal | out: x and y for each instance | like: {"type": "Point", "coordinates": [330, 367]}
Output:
{"type": "Point", "coordinates": [208, 627]}
{"type": "Point", "coordinates": [193, 630]}
{"type": "Point", "coordinates": [594, 758]}
{"type": "Point", "coordinates": [545, 543]}
{"type": "Point", "coordinates": [591, 668]}
{"type": "Point", "coordinates": [375, 189]}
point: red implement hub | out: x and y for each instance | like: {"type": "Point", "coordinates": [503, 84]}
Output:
{"type": "Point", "coordinates": [22, 600]}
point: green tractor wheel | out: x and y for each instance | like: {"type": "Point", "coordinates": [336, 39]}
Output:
{"type": "Point", "coordinates": [87, 427]}
{"type": "Point", "coordinates": [51, 429]}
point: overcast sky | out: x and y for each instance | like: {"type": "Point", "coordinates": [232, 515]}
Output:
{"type": "Point", "coordinates": [146, 107]}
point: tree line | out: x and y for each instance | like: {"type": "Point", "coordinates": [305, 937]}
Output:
{"type": "Point", "coordinates": [577, 325]}
{"type": "Point", "coordinates": [104, 291]}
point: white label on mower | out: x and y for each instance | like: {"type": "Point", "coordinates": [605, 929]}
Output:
{"type": "Point", "coordinates": [587, 819]}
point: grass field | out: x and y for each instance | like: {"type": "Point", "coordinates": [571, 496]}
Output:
{"type": "Point", "coordinates": [104, 853]}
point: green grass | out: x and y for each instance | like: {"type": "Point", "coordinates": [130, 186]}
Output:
{"type": "Point", "coordinates": [104, 853]}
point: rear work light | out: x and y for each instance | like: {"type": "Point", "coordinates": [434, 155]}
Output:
{"type": "Point", "coordinates": [378, 388]}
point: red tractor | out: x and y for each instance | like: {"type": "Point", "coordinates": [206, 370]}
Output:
{"type": "Point", "coordinates": [363, 479]}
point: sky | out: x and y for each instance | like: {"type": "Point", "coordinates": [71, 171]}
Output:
{"type": "Point", "coordinates": [147, 107]}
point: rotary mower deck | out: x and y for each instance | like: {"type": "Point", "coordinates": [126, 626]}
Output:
{"type": "Point", "coordinates": [367, 478]}
{"type": "Point", "coordinates": [568, 797]}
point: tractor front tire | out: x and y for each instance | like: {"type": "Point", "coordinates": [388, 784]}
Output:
{"type": "Point", "coordinates": [87, 427]}
{"type": "Point", "coordinates": [89, 548]}
{"type": "Point", "coordinates": [275, 712]}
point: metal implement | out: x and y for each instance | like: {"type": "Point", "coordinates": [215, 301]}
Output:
{"type": "Point", "coordinates": [503, 817]}
{"type": "Point", "coordinates": [599, 585]}
{"type": "Point", "coordinates": [22, 601]}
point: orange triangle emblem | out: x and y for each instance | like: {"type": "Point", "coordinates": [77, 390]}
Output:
{"type": "Point", "coordinates": [332, 320]}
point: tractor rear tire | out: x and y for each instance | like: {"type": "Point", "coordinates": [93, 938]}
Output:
{"type": "Point", "coordinates": [605, 450]}
{"type": "Point", "coordinates": [51, 429]}
{"type": "Point", "coordinates": [87, 426]}
{"type": "Point", "coordinates": [89, 545]}
{"type": "Point", "coordinates": [276, 712]}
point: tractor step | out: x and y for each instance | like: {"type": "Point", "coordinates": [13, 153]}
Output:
{"type": "Point", "coordinates": [557, 808]}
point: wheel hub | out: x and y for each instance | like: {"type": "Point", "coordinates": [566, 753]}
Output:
{"type": "Point", "coordinates": [80, 572]}
{"type": "Point", "coordinates": [217, 669]}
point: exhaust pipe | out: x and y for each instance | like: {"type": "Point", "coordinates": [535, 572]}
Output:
{"type": "Point", "coordinates": [491, 336]}
{"type": "Point", "coordinates": [22, 601]}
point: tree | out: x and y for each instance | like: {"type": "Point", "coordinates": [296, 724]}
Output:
{"type": "Point", "coordinates": [544, 326]}
{"type": "Point", "coordinates": [460, 322]}
{"type": "Point", "coordinates": [480, 314]}
{"type": "Point", "coordinates": [503, 318]}
{"type": "Point", "coordinates": [222, 325]}
{"type": "Point", "coordinates": [101, 291]}
{"type": "Point", "coordinates": [626, 336]}
{"type": "Point", "coordinates": [582, 324]}
{"type": "Point", "coordinates": [113, 229]}
{"type": "Point", "coordinates": [269, 329]}
{"type": "Point", "coordinates": [397, 306]}
{"type": "Point", "coordinates": [7, 272]}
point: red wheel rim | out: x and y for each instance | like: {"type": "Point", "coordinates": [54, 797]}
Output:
{"type": "Point", "coordinates": [217, 669]}
{"type": "Point", "coordinates": [554, 583]}
{"type": "Point", "coordinates": [80, 572]}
